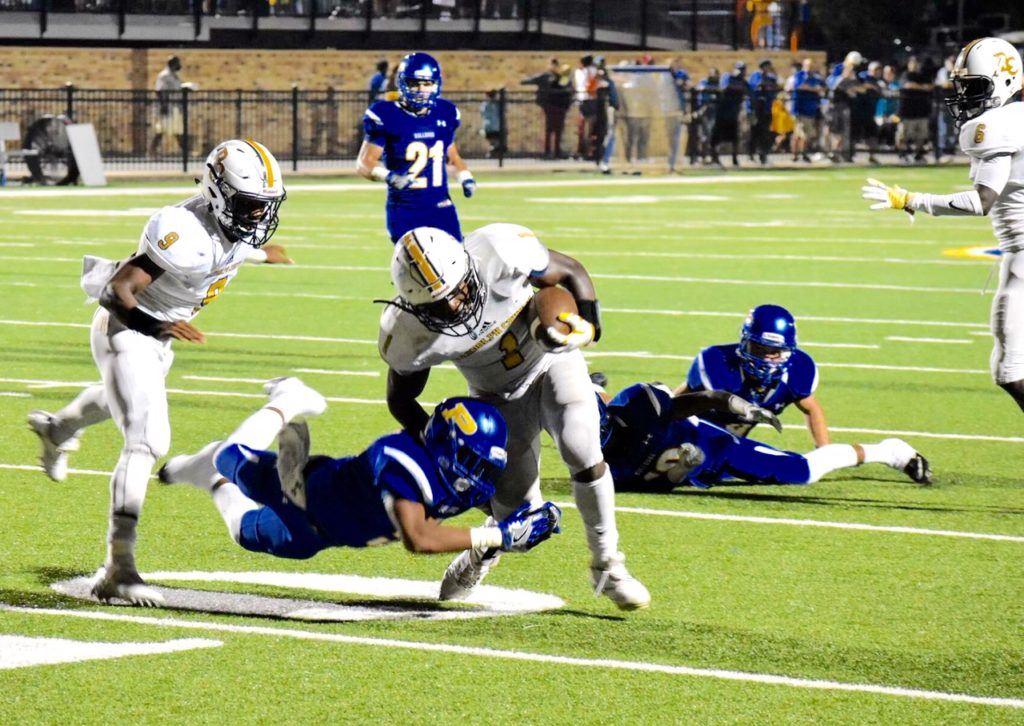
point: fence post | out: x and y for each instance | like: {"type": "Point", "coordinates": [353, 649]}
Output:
{"type": "Point", "coordinates": [643, 23]}
{"type": "Point", "coordinates": [503, 133]}
{"type": "Point", "coordinates": [69, 101]}
{"type": "Point", "coordinates": [295, 127]}
{"type": "Point", "coordinates": [477, 12]}
{"type": "Point", "coordinates": [185, 145]}
{"type": "Point", "coordinates": [693, 24]}
{"type": "Point", "coordinates": [122, 11]}
{"type": "Point", "coordinates": [197, 18]}
{"type": "Point", "coordinates": [238, 114]}
{"type": "Point", "coordinates": [592, 23]}
{"type": "Point", "coordinates": [44, 7]}
{"type": "Point", "coordinates": [736, 28]}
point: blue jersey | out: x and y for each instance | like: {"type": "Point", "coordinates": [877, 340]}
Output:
{"type": "Point", "coordinates": [717, 368]}
{"type": "Point", "coordinates": [637, 428]}
{"type": "Point", "coordinates": [414, 145]}
{"type": "Point", "coordinates": [349, 501]}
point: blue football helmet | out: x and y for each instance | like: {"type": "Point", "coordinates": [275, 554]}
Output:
{"type": "Point", "coordinates": [767, 342]}
{"type": "Point", "coordinates": [413, 69]}
{"type": "Point", "coordinates": [467, 440]}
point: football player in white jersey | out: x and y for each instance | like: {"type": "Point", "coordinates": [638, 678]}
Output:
{"type": "Point", "coordinates": [187, 255]}
{"type": "Point", "coordinates": [466, 303]}
{"type": "Point", "coordinates": [987, 78]}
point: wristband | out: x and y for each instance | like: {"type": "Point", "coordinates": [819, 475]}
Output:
{"type": "Point", "coordinates": [142, 322]}
{"type": "Point", "coordinates": [485, 538]}
{"type": "Point", "coordinates": [379, 174]}
{"type": "Point", "coordinates": [464, 176]}
{"type": "Point", "coordinates": [590, 310]}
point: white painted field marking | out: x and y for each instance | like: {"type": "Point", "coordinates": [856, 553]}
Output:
{"type": "Point", "coordinates": [224, 379]}
{"type": "Point", "coordinates": [785, 283]}
{"type": "Point", "coordinates": [815, 318]}
{"type": "Point", "coordinates": [16, 244]}
{"type": "Point", "coordinates": [633, 233]}
{"type": "Point", "coordinates": [629, 199]}
{"type": "Point", "coordinates": [787, 258]}
{"type": "Point", "coordinates": [136, 191]}
{"type": "Point", "coordinates": [326, 372]}
{"type": "Point", "coordinates": [792, 522]}
{"type": "Point", "coordinates": [516, 655]}
{"type": "Point", "coordinates": [20, 651]}
{"type": "Point", "coordinates": [950, 341]}
{"type": "Point", "coordinates": [15, 394]}
{"type": "Point", "coordinates": [86, 212]}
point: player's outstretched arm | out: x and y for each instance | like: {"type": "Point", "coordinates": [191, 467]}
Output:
{"type": "Point", "coordinates": [572, 275]}
{"type": "Point", "coordinates": [991, 178]}
{"type": "Point", "coordinates": [423, 535]}
{"type": "Point", "coordinates": [521, 531]}
{"type": "Point", "coordinates": [465, 177]}
{"type": "Point", "coordinates": [816, 423]}
{"type": "Point", "coordinates": [403, 388]}
{"type": "Point", "coordinates": [698, 403]}
{"type": "Point", "coordinates": [119, 298]}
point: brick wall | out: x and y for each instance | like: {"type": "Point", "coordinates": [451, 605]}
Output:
{"type": "Point", "coordinates": [34, 67]}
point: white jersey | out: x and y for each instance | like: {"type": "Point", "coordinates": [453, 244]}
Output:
{"type": "Point", "coordinates": [499, 356]}
{"type": "Point", "coordinates": [997, 133]}
{"type": "Point", "coordinates": [198, 261]}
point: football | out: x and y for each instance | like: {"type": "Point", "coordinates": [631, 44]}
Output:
{"type": "Point", "coordinates": [545, 307]}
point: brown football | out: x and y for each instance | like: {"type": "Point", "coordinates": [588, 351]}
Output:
{"type": "Point", "coordinates": [547, 304]}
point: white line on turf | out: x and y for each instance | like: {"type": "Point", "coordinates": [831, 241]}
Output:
{"type": "Point", "coordinates": [950, 341]}
{"type": "Point", "coordinates": [815, 318]}
{"type": "Point", "coordinates": [786, 258]}
{"type": "Point", "coordinates": [325, 372]}
{"type": "Point", "coordinates": [518, 655]}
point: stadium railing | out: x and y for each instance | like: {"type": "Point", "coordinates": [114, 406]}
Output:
{"type": "Point", "coordinates": [322, 127]}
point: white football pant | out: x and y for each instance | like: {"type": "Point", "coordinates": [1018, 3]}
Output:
{"type": "Point", "coordinates": [1007, 359]}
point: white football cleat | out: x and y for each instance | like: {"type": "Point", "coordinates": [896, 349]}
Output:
{"type": "Point", "coordinates": [466, 571]}
{"type": "Point", "coordinates": [613, 580]}
{"type": "Point", "coordinates": [112, 583]}
{"type": "Point", "coordinates": [54, 456]}
{"type": "Point", "coordinates": [302, 400]}
{"type": "Point", "coordinates": [292, 456]}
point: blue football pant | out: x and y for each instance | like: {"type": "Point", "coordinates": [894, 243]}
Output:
{"type": "Point", "coordinates": [400, 219]}
{"type": "Point", "coordinates": [278, 528]}
{"type": "Point", "coordinates": [728, 456]}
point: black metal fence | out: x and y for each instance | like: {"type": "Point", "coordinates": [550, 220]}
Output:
{"type": "Point", "coordinates": [145, 129]}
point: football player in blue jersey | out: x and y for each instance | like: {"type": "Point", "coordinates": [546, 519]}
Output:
{"type": "Point", "coordinates": [406, 145]}
{"type": "Point", "coordinates": [765, 367]}
{"type": "Point", "coordinates": [654, 440]}
{"type": "Point", "coordinates": [289, 504]}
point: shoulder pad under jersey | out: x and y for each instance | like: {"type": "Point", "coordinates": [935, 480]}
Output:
{"type": "Point", "coordinates": [517, 247]}
{"type": "Point", "coordinates": [176, 241]}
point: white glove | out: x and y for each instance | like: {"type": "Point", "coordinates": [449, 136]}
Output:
{"type": "Point", "coordinates": [676, 463]}
{"type": "Point", "coordinates": [399, 181]}
{"type": "Point", "coordinates": [752, 413]}
{"type": "Point", "coordinates": [582, 333]}
{"type": "Point", "coordinates": [886, 197]}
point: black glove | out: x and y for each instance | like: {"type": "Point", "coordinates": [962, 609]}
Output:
{"type": "Point", "coordinates": [590, 310]}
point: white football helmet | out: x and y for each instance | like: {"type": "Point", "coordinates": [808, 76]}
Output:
{"type": "Point", "coordinates": [987, 74]}
{"type": "Point", "coordinates": [243, 188]}
{"type": "Point", "coordinates": [437, 281]}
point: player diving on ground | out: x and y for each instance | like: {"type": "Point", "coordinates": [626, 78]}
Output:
{"type": "Point", "coordinates": [987, 80]}
{"type": "Point", "coordinates": [290, 504]}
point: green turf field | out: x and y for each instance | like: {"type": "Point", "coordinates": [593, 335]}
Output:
{"type": "Point", "coordinates": [912, 615]}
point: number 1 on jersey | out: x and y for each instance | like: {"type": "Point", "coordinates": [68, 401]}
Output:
{"type": "Point", "coordinates": [418, 153]}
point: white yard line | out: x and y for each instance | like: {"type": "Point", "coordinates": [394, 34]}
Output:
{"type": "Point", "coordinates": [518, 655]}
{"type": "Point", "coordinates": [325, 372]}
{"type": "Point", "coordinates": [788, 258]}
{"type": "Point", "coordinates": [949, 341]}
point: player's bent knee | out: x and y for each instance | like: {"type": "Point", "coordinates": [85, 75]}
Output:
{"type": "Point", "coordinates": [592, 473]}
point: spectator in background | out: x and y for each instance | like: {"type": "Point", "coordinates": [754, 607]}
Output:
{"type": "Point", "coordinates": [378, 81]}
{"type": "Point", "coordinates": [168, 94]}
{"type": "Point", "coordinates": [584, 86]}
{"type": "Point", "coordinates": [783, 123]}
{"type": "Point", "coordinates": [915, 112]}
{"type": "Point", "coordinates": [733, 87]}
{"type": "Point", "coordinates": [608, 106]}
{"type": "Point", "coordinates": [845, 87]}
{"type": "Point", "coordinates": [554, 98]}
{"type": "Point", "coordinates": [808, 89]}
{"type": "Point", "coordinates": [887, 112]}
{"type": "Point", "coordinates": [863, 127]}
{"type": "Point", "coordinates": [945, 133]}
{"type": "Point", "coordinates": [764, 87]}
{"type": "Point", "coordinates": [491, 125]}
{"type": "Point", "coordinates": [679, 123]}
{"type": "Point", "coordinates": [706, 111]}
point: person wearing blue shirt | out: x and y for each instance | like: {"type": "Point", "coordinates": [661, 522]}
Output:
{"type": "Point", "coordinates": [406, 145]}
{"type": "Point", "coordinates": [654, 441]}
{"type": "Point", "coordinates": [706, 110]}
{"type": "Point", "coordinates": [378, 81]}
{"type": "Point", "coordinates": [808, 88]}
{"type": "Point", "coordinates": [289, 504]}
{"type": "Point", "coordinates": [679, 131]}
{"type": "Point", "coordinates": [765, 367]}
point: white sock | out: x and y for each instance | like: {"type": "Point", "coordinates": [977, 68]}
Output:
{"type": "Point", "coordinates": [232, 505]}
{"type": "Point", "coordinates": [260, 429]}
{"type": "Point", "coordinates": [197, 469]}
{"type": "Point", "coordinates": [891, 452]}
{"type": "Point", "coordinates": [596, 503]}
{"type": "Point", "coordinates": [828, 458]}
{"type": "Point", "coordinates": [89, 407]}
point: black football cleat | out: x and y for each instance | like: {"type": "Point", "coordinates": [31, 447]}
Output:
{"type": "Point", "coordinates": [918, 470]}
{"type": "Point", "coordinates": [599, 379]}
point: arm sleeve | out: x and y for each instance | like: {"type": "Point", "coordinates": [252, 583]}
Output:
{"type": "Point", "coordinates": [694, 382]}
{"type": "Point", "coordinates": [804, 378]}
{"type": "Point", "coordinates": [373, 127]}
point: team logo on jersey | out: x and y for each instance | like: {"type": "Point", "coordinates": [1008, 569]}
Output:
{"type": "Point", "coordinates": [1007, 64]}
{"type": "Point", "coordinates": [442, 122]}
{"type": "Point", "coordinates": [977, 252]}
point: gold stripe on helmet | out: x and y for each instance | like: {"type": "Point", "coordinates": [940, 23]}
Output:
{"type": "Point", "coordinates": [265, 157]}
{"type": "Point", "coordinates": [423, 265]}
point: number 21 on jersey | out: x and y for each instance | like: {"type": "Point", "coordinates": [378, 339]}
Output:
{"type": "Point", "coordinates": [418, 153]}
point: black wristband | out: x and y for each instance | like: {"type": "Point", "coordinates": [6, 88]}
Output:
{"type": "Point", "coordinates": [590, 310]}
{"type": "Point", "coordinates": [142, 322]}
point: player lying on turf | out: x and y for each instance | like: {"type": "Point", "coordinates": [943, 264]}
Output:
{"type": "Point", "coordinates": [187, 255]}
{"type": "Point", "coordinates": [653, 439]}
{"type": "Point", "coordinates": [289, 504]}
{"type": "Point", "coordinates": [471, 304]}
{"type": "Point", "coordinates": [987, 80]}
{"type": "Point", "coordinates": [765, 367]}
{"type": "Point", "coordinates": [406, 145]}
